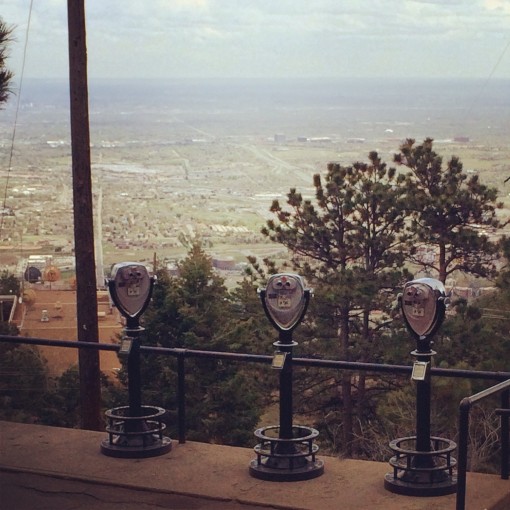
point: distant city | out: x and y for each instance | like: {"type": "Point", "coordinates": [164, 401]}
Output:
{"type": "Point", "coordinates": [177, 161]}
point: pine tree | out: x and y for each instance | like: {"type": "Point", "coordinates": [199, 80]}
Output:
{"type": "Point", "coordinates": [451, 212]}
{"type": "Point", "coordinates": [9, 284]}
{"type": "Point", "coordinates": [195, 311]}
{"type": "Point", "coordinates": [348, 244]}
{"type": "Point", "coordinates": [5, 75]}
{"type": "Point", "coordinates": [23, 382]}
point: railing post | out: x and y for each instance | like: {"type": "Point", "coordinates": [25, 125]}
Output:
{"type": "Point", "coordinates": [464, 409]}
{"type": "Point", "coordinates": [181, 396]}
{"type": "Point", "coordinates": [505, 433]}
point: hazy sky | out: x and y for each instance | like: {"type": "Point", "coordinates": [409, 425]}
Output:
{"type": "Point", "coordinates": [274, 38]}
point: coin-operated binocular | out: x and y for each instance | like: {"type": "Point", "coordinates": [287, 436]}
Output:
{"type": "Point", "coordinates": [131, 289]}
{"type": "Point", "coordinates": [285, 301]}
{"type": "Point", "coordinates": [135, 430]}
{"type": "Point", "coordinates": [286, 452]}
{"type": "Point", "coordinates": [423, 304]}
{"type": "Point", "coordinates": [423, 465]}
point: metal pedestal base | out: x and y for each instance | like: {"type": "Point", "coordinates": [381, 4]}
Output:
{"type": "Point", "coordinates": [135, 437]}
{"type": "Point", "coordinates": [417, 473]}
{"type": "Point", "coordinates": [286, 460]}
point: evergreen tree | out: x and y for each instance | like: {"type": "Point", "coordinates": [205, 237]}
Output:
{"type": "Point", "coordinates": [5, 75]}
{"type": "Point", "coordinates": [451, 212]}
{"type": "Point", "coordinates": [348, 244]}
{"type": "Point", "coordinates": [62, 401]}
{"type": "Point", "coordinates": [60, 405]}
{"type": "Point", "coordinates": [503, 279]}
{"type": "Point", "coordinates": [194, 310]}
{"type": "Point", "coordinates": [9, 284]}
{"type": "Point", "coordinates": [249, 330]}
{"type": "Point", "coordinates": [23, 382]}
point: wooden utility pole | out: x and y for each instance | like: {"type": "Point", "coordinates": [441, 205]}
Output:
{"type": "Point", "coordinates": [86, 289]}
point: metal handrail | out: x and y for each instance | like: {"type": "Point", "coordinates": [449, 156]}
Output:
{"type": "Point", "coordinates": [264, 358]}
{"type": "Point", "coordinates": [464, 409]}
{"type": "Point", "coordinates": [181, 354]}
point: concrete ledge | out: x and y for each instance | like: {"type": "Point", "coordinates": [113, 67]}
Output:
{"type": "Point", "coordinates": [220, 473]}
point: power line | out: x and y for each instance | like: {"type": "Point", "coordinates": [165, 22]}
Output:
{"type": "Point", "coordinates": [486, 82]}
{"type": "Point", "coordinates": [9, 168]}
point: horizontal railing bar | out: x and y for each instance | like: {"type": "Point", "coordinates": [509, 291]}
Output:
{"type": "Point", "coordinates": [262, 358]}
{"type": "Point", "coordinates": [46, 342]}
{"type": "Point", "coordinates": [194, 353]}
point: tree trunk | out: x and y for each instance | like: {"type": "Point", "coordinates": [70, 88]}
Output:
{"type": "Point", "coordinates": [442, 263]}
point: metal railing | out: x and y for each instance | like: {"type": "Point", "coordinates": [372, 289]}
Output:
{"type": "Point", "coordinates": [464, 409]}
{"type": "Point", "coordinates": [181, 354]}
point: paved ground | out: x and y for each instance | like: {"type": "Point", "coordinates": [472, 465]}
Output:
{"type": "Point", "coordinates": [22, 491]}
{"type": "Point", "coordinates": [52, 466]}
